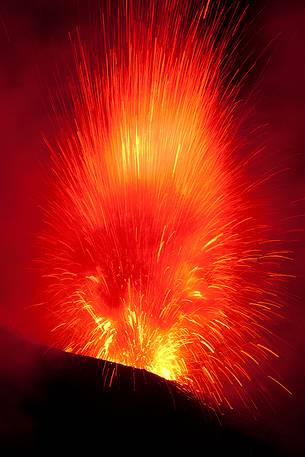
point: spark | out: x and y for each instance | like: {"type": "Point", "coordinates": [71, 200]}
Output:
{"type": "Point", "coordinates": [280, 384]}
{"type": "Point", "coordinates": [154, 255]}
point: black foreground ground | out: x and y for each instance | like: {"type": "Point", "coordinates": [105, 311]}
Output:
{"type": "Point", "coordinates": [51, 402]}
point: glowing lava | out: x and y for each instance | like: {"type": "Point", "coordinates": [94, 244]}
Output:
{"type": "Point", "coordinates": [153, 252]}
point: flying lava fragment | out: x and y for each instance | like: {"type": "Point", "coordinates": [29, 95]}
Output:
{"type": "Point", "coordinates": [154, 249]}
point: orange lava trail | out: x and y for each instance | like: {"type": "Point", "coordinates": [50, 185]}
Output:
{"type": "Point", "coordinates": [153, 252]}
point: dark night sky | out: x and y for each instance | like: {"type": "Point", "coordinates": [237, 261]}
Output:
{"type": "Point", "coordinates": [33, 42]}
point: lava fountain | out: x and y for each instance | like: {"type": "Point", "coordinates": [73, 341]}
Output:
{"type": "Point", "coordinates": [154, 250]}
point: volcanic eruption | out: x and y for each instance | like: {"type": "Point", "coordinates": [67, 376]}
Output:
{"type": "Point", "coordinates": [155, 251]}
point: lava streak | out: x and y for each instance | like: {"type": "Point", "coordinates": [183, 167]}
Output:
{"type": "Point", "coordinates": [154, 253]}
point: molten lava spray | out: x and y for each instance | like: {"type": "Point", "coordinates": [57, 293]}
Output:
{"type": "Point", "coordinates": [155, 254]}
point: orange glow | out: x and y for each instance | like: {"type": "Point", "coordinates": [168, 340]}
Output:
{"type": "Point", "coordinates": [153, 252]}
